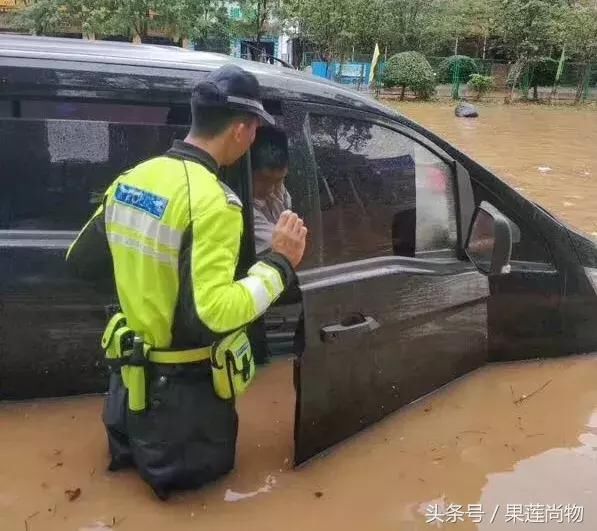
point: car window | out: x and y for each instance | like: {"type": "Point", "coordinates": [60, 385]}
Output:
{"type": "Point", "coordinates": [301, 181]}
{"type": "Point", "coordinates": [94, 111]}
{"type": "Point", "coordinates": [5, 109]}
{"type": "Point", "coordinates": [381, 193]}
{"type": "Point", "coordinates": [59, 157]}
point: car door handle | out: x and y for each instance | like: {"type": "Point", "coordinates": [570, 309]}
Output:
{"type": "Point", "coordinates": [337, 331]}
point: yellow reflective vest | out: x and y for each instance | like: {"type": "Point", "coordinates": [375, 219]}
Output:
{"type": "Point", "coordinates": [169, 231]}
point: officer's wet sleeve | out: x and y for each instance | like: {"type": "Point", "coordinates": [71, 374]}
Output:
{"type": "Point", "coordinates": [221, 303]}
{"type": "Point", "coordinates": [89, 255]}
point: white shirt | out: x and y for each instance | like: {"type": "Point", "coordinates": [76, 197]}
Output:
{"type": "Point", "coordinates": [266, 213]}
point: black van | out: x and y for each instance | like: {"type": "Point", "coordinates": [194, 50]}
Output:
{"type": "Point", "coordinates": [392, 305]}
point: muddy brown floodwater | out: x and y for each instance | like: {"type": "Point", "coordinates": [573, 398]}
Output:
{"type": "Point", "coordinates": [549, 154]}
{"type": "Point", "coordinates": [495, 441]}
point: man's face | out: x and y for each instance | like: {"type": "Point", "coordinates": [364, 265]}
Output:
{"type": "Point", "coordinates": [268, 181]}
{"type": "Point", "coordinates": [240, 137]}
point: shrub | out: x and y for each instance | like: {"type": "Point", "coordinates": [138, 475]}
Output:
{"type": "Point", "coordinates": [445, 70]}
{"type": "Point", "coordinates": [480, 85]}
{"type": "Point", "coordinates": [412, 70]}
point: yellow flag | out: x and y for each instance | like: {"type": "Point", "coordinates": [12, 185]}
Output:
{"type": "Point", "coordinates": [374, 64]}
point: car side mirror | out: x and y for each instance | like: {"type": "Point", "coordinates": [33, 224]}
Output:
{"type": "Point", "coordinates": [489, 244]}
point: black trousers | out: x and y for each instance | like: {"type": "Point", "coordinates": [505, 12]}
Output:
{"type": "Point", "coordinates": [185, 438]}
{"type": "Point", "coordinates": [114, 417]}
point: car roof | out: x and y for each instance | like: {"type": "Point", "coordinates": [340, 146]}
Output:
{"type": "Point", "coordinates": [292, 83]}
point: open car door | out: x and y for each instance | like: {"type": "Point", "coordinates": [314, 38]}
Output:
{"type": "Point", "coordinates": [381, 333]}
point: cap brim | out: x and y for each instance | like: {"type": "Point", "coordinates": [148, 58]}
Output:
{"type": "Point", "coordinates": [265, 116]}
{"type": "Point", "coordinates": [251, 106]}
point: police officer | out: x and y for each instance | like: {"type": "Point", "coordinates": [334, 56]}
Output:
{"type": "Point", "coordinates": [169, 231]}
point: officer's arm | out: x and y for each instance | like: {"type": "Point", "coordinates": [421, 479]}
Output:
{"type": "Point", "coordinates": [223, 304]}
{"type": "Point", "coordinates": [89, 255]}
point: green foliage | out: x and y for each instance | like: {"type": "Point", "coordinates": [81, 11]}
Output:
{"type": "Point", "coordinates": [43, 17]}
{"type": "Point", "coordinates": [131, 18]}
{"type": "Point", "coordinates": [180, 19]}
{"type": "Point", "coordinates": [445, 70]}
{"type": "Point", "coordinates": [198, 20]}
{"type": "Point", "coordinates": [522, 30]}
{"type": "Point", "coordinates": [412, 24]}
{"type": "Point", "coordinates": [577, 30]}
{"type": "Point", "coordinates": [258, 17]}
{"type": "Point", "coordinates": [526, 27]}
{"type": "Point", "coordinates": [411, 70]}
{"type": "Point", "coordinates": [475, 18]}
{"type": "Point", "coordinates": [480, 85]}
{"type": "Point", "coordinates": [334, 27]}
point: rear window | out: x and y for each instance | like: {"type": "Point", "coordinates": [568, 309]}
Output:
{"type": "Point", "coordinates": [59, 155]}
{"type": "Point", "coordinates": [5, 109]}
{"type": "Point", "coordinates": [103, 112]}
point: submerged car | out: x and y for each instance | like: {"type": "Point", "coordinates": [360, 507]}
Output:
{"type": "Point", "coordinates": [421, 264]}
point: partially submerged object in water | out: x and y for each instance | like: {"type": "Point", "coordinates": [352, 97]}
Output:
{"type": "Point", "coordinates": [466, 110]}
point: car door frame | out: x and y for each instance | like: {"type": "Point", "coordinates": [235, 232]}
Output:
{"type": "Point", "coordinates": [315, 363]}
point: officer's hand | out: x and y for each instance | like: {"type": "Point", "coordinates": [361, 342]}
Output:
{"type": "Point", "coordinates": [289, 237]}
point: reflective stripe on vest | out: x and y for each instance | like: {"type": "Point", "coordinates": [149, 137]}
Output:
{"type": "Point", "coordinates": [259, 293]}
{"type": "Point", "coordinates": [145, 250]}
{"type": "Point", "coordinates": [143, 223]}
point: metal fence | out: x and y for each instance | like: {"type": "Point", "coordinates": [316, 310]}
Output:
{"type": "Point", "coordinates": [537, 82]}
{"type": "Point", "coordinates": [354, 74]}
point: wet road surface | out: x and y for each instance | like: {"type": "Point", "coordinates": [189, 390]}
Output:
{"type": "Point", "coordinates": [484, 439]}
{"type": "Point", "coordinates": [548, 154]}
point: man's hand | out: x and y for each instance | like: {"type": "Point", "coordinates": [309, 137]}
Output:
{"type": "Point", "coordinates": [289, 237]}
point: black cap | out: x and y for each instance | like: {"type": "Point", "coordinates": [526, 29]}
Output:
{"type": "Point", "coordinates": [232, 87]}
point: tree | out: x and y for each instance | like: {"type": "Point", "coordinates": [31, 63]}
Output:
{"type": "Point", "coordinates": [130, 17]}
{"type": "Point", "coordinates": [412, 70]}
{"type": "Point", "coordinates": [259, 18]}
{"type": "Point", "coordinates": [195, 20]}
{"type": "Point", "coordinates": [466, 67]}
{"type": "Point", "coordinates": [43, 17]}
{"type": "Point", "coordinates": [527, 30]}
{"type": "Point", "coordinates": [321, 22]}
{"type": "Point", "coordinates": [577, 28]}
{"type": "Point", "coordinates": [335, 27]}
{"type": "Point", "coordinates": [92, 17]}
{"type": "Point", "coordinates": [474, 18]}
{"type": "Point", "coordinates": [412, 24]}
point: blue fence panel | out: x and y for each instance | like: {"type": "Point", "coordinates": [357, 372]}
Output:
{"type": "Point", "coordinates": [345, 73]}
{"type": "Point", "coordinates": [322, 69]}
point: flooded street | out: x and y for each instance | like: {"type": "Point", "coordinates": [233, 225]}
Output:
{"type": "Point", "coordinates": [549, 154]}
{"type": "Point", "coordinates": [507, 435]}
{"type": "Point", "coordinates": [478, 441]}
